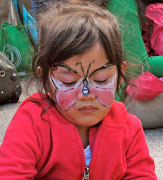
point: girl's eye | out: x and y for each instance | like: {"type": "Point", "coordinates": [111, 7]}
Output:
{"type": "Point", "coordinates": [69, 83]}
{"type": "Point", "coordinates": [101, 82]}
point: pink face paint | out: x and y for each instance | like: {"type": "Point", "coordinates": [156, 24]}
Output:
{"type": "Point", "coordinates": [67, 96]}
{"type": "Point", "coordinates": [105, 93]}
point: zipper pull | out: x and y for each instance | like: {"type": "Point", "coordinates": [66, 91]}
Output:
{"type": "Point", "coordinates": [86, 173]}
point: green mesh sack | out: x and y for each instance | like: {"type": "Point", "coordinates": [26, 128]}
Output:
{"type": "Point", "coordinates": [15, 44]}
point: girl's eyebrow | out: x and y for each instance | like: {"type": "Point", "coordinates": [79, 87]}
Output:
{"type": "Point", "coordinates": [70, 69]}
{"type": "Point", "coordinates": [102, 67]}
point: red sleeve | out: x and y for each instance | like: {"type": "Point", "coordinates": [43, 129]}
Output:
{"type": "Point", "coordinates": [139, 163]}
{"type": "Point", "coordinates": [21, 148]}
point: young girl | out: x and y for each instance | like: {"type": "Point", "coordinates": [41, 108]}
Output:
{"type": "Point", "coordinates": [75, 130]}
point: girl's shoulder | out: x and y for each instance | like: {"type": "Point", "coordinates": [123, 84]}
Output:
{"type": "Point", "coordinates": [129, 123]}
{"type": "Point", "coordinates": [120, 115]}
{"type": "Point", "coordinates": [40, 110]}
{"type": "Point", "coordinates": [33, 105]}
{"type": "Point", "coordinates": [36, 98]}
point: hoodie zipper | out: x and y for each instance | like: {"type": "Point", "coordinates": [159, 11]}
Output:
{"type": "Point", "coordinates": [86, 171]}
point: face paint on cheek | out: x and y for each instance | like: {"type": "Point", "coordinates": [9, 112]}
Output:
{"type": "Point", "coordinates": [106, 93]}
{"type": "Point", "coordinates": [106, 98]}
{"type": "Point", "coordinates": [66, 99]}
{"type": "Point", "coordinates": [65, 96]}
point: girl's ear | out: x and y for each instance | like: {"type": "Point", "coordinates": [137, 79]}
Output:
{"type": "Point", "coordinates": [39, 71]}
{"type": "Point", "coordinates": [123, 70]}
{"type": "Point", "coordinates": [123, 67]}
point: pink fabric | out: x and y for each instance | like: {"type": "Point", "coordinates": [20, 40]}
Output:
{"type": "Point", "coordinates": [148, 87]}
{"type": "Point", "coordinates": [154, 45]}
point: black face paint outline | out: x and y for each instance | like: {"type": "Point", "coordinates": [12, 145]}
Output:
{"type": "Point", "coordinates": [51, 79]}
{"type": "Point", "coordinates": [85, 76]}
{"type": "Point", "coordinates": [65, 66]}
{"type": "Point", "coordinates": [85, 89]}
{"type": "Point", "coordinates": [102, 67]}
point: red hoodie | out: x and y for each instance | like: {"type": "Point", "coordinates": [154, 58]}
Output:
{"type": "Point", "coordinates": [51, 148]}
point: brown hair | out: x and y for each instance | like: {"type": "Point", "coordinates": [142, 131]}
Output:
{"type": "Point", "coordinates": [69, 29]}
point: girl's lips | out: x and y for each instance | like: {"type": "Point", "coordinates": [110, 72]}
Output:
{"type": "Point", "coordinates": [88, 109]}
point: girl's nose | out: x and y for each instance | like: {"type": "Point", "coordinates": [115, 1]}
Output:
{"type": "Point", "coordinates": [90, 96]}
{"type": "Point", "coordinates": [85, 92]}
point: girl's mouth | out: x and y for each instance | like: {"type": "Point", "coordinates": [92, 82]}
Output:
{"type": "Point", "coordinates": [88, 108]}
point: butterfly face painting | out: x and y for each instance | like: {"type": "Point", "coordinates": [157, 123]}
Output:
{"type": "Point", "coordinates": [69, 88]}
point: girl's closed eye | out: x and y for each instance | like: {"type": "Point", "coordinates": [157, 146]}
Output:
{"type": "Point", "coordinates": [69, 84]}
{"type": "Point", "coordinates": [101, 81]}
{"type": "Point", "coordinates": [103, 76]}
{"type": "Point", "coordinates": [65, 77]}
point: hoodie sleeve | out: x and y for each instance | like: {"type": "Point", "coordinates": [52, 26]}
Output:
{"type": "Point", "coordinates": [138, 161]}
{"type": "Point", "coordinates": [21, 147]}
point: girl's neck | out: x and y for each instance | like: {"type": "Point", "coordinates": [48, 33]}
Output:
{"type": "Point", "coordinates": [84, 134]}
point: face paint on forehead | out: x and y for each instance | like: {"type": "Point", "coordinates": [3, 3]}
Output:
{"type": "Point", "coordinates": [102, 67]}
{"type": "Point", "coordinates": [67, 67]}
{"type": "Point", "coordinates": [72, 70]}
{"type": "Point", "coordinates": [87, 70]}
{"type": "Point", "coordinates": [85, 89]}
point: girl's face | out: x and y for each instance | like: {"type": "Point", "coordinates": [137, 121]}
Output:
{"type": "Point", "coordinates": [83, 87]}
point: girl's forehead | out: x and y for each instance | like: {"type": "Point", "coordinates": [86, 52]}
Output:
{"type": "Point", "coordinates": [88, 61]}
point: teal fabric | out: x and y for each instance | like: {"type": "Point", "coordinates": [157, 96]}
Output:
{"type": "Point", "coordinates": [133, 44]}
